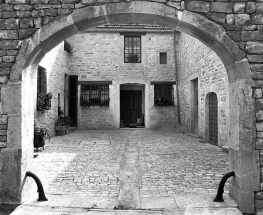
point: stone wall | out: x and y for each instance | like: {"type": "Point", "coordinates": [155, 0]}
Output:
{"type": "Point", "coordinates": [99, 56]}
{"type": "Point", "coordinates": [56, 64]}
{"type": "Point", "coordinates": [195, 60]}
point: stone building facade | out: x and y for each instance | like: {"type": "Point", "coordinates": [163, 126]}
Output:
{"type": "Point", "coordinates": [233, 29]}
{"type": "Point", "coordinates": [55, 64]}
{"type": "Point", "coordinates": [99, 56]}
{"type": "Point", "coordinates": [197, 62]}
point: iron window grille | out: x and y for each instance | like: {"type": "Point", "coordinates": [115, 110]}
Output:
{"type": "Point", "coordinates": [94, 95]}
{"type": "Point", "coordinates": [163, 95]}
{"type": "Point", "coordinates": [132, 49]}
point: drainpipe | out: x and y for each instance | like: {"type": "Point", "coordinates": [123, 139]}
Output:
{"type": "Point", "coordinates": [176, 77]}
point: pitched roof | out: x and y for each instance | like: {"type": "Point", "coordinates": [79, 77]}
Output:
{"type": "Point", "coordinates": [134, 27]}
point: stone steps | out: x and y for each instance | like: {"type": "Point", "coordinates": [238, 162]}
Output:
{"type": "Point", "coordinates": [33, 210]}
{"type": "Point", "coordinates": [179, 204]}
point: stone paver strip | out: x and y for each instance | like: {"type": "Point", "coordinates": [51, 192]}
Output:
{"type": "Point", "coordinates": [129, 196]}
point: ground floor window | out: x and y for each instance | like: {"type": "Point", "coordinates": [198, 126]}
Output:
{"type": "Point", "coordinates": [94, 95]}
{"type": "Point", "coordinates": [163, 95]}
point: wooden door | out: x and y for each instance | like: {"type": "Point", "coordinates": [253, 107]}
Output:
{"type": "Point", "coordinates": [73, 100]}
{"type": "Point", "coordinates": [213, 119]}
{"type": "Point", "coordinates": [131, 106]}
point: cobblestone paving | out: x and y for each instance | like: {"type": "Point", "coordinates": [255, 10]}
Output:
{"type": "Point", "coordinates": [81, 163]}
{"type": "Point", "coordinates": [89, 163]}
{"type": "Point", "coordinates": [174, 162]}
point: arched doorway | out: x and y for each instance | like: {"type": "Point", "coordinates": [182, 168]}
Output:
{"type": "Point", "coordinates": [211, 34]}
{"type": "Point", "coordinates": [213, 119]}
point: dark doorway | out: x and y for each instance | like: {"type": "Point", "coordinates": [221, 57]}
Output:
{"type": "Point", "coordinates": [131, 108]}
{"type": "Point", "coordinates": [195, 83]}
{"type": "Point", "coordinates": [73, 99]}
{"type": "Point", "coordinates": [213, 119]}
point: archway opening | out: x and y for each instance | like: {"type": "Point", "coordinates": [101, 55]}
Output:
{"type": "Point", "coordinates": [207, 32]}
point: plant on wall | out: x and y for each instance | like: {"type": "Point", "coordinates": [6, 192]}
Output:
{"type": "Point", "coordinates": [44, 101]}
{"type": "Point", "coordinates": [67, 47]}
{"type": "Point", "coordinates": [133, 58]}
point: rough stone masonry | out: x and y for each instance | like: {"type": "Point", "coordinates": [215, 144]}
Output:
{"type": "Point", "coordinates": [242, 21]}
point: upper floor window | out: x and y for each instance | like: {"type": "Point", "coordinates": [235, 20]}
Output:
{"type": "Point", "coordinates": [94, 95]}
{"type": "Point", "coordinates": [132, 49]}
{"type": "Point", "coordinates": [163, 57]}
{"type": "Point", "coordinates": [41, 80]}
{"type": "Point", "coordinates": [163, 95]}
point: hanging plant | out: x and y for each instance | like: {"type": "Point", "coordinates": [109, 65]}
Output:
{"type": "Point", "coordinates": [67, 47]}
{"type": "Point", "coordinates": [133, 58]}
{"type": "Point", "coordinates": [44, 101]}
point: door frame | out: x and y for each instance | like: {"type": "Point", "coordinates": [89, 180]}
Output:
{"type": "Point", "coordinates": [136, 87]}
{"type": "Point", "coordinates": [69, 89]}
{"type": "Point", "coordinates": [193, 78]}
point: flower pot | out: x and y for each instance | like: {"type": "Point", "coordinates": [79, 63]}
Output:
{"type": "Point", "coordinates": [49, 96]}
{"type": "Point", "coordinates": [39, 141]}
{"type": "Point", "coordinates": [62, 130]}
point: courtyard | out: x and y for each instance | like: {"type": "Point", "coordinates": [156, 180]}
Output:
{"type": "Point", "coordinates": [89, 164]}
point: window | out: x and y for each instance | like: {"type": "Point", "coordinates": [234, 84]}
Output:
{"type": "Point", "coordinates": [132, 49]}
{"type": "Point", "coordinates": [163, 95]}
{"type": "Point", "coordinates": [41, 80]}
{"type": "Point", "coordinates": [94, 95]}
{"type": "Point", "coordinates": [163, 57]}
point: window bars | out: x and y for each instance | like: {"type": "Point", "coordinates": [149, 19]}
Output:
{"type": "Point", "coordinates": [163, 95]}
{"type": "Point", "coordinates": [94, 95]}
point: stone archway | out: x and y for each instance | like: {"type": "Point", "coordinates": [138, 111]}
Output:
{"type": "Point", "coordinates": [243, 157]}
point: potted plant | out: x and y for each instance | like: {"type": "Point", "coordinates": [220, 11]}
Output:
{"type": "Point", "coordinates": [105, 103]}
{"type": "Point", "coordinates": [164, 101]}
{"type": "Point", "coordinates": [62, 125]}
{"type": "Point", "coordinates": [40, 134]}
{"type": "Point", "coordinates": [133, 58]}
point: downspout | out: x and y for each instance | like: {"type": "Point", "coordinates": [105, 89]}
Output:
{"type": "Point", "coordinates": [176, 77]}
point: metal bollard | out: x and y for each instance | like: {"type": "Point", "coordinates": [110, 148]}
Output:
{"type": "Point", "coordinates": [219, 195]}
{"type": "Point", "coordinates": [41, 193]}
